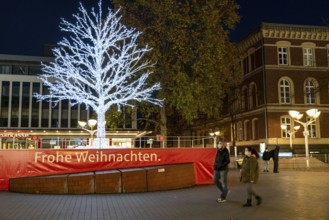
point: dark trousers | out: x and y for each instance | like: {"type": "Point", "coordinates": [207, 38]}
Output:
{"type": "Point", "coordinates": [276, 165]}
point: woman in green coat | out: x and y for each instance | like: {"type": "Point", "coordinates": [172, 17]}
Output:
{"type": "Point", "coordinates": [250, 174]}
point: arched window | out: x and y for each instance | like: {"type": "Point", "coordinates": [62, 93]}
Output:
{"type": "Point", "coordinates": [255, 135]}
{"type": "Point", "coordinates": [245, 97]}
{"type": "Point", "coordinates": [285, 120]}
{"type": "Point", "coordinates": [310, 91]}
{"type": "Point", "coordinates": [239, 131]}
{"type": "Point", "coordinates": [237, 100]}
{"type": "Point", "coordinates": [253, 95]}
{"type": "Point", "coordinates": [247, 130]}
{"type": "Point", "coordinates": [285, 91]}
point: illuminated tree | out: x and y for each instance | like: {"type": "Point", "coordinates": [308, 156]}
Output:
{"type": "Point", "coordinates": [99, 65]}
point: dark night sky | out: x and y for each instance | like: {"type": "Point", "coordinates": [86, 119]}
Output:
{"type": "Point", "coordinates": [28, 24]}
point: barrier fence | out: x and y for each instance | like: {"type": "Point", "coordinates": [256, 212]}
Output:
{"type": "Point", "coordinates": [149, 142]}
{"type": "Point", "coordinates": [115, 142]}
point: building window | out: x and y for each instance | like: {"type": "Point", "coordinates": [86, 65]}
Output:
{"type": "Point", "coordinates": [285, 120]}
{"type": "Point", "coordinates": [308, 57]}
{"type": "Point", "coordinates": [255, 135]}
{"type": "Point", "coordinates": [246, 65]}
{"type": "Point", "coordinates": [64, 113]}
{"type": "Point", "coordinates": [74, 116]}
{"type": "Point", "coordinates": [237, 101]}
{"type": "Point", "coordinates": [253, 92]}
{"type": "Point", "coordinates": [34, 70]}
{"type": "Point", "coordinates": [20, 70]}
{"type": "Point", "coordinates": [15, 104]}
{"type": "Point", "coordinates": [283, 55]}
{"type": "Point", "coordinates": [35, 105]}
{"type": "Point", "coordinates": [312, 129]}
{"type": "Point", "coordinates": [25, 114]}
{"type": "Point", "coordinates": [4, 103]}
{"type": "Point", "coordinates": [4, 69]}
{"type": "Point", "coordinates": [245, 97]}
{"type": "Point", "coordinates": [285, 92]}
{"type": "Point", "coordinates": [247, 130]}
{"type": "Point", "coordinates": [45, 108]}
{"type": "Point", "coordinates": [239, 131]}
{"type": "Point", "coordinates": [310, 92]}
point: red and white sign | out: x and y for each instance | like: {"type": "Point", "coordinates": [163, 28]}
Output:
{"type": "Point", "coordinates": [35, 138]}
{"type": "Point", "coordinates": [22, 163]}
{"type": "Point", "coordinates": [161, 138]}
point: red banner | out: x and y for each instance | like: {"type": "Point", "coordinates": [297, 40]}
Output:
{"type": "Point", "coordinates": [21, 163]}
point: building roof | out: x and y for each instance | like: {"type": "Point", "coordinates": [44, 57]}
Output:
{"type": "Point", "coordinates": [20, 58]}
{"type": "Point", "coordinates": [285, 31]}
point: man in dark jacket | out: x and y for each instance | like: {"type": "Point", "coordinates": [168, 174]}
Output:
{"type": "Point", "coordinates": [276, 159]}
{"type": "Point", "coordinates": [221, 169]}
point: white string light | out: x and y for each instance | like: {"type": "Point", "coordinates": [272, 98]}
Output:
{"type": "Point", "coordinates": [99, 65]}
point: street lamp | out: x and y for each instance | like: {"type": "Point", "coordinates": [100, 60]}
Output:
{"type": "Point", "coordinates": [214, 135]}
{"type": "Point", "coordinates": [291, 133]}
{"type": "Point", "coordinates": [313, 114]}
{"type": "Point", "coordinates": [91, 124]}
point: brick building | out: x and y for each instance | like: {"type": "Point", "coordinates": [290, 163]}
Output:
{"type": "Point", "coordinates": [285, 67]}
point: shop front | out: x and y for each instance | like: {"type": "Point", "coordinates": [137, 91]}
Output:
{"type": "Point", "coordinates": [63, 139]}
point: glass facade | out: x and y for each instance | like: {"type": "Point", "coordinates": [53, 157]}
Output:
{"type": "Point", "coordinates": [20, 69]}
{"type": "Point", "coordinates": [74, 116]}
{"type": "Point", "coordinates": [20, 109]}
{"type": "Point", "coordinates": [15, 104]}
{"type": "Point", "coordinates": [64, 113]}
{"type": "Point", "coordinates": [4, 103]}
{"type": "Point", "coordinates": [35, 106]}
{"type": "Point", "coordinates": [25, 112]}
{"type": "Point", "coordinates": [55, 116]}
{"type": "Point", "coordinates": [83, 112]}
{"type": "Point", "coordinates": [45, 109]}
{"type": "Point", "coordinates": [5, 69]}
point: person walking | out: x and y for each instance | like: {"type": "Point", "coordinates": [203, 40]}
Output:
{"type": "Point", "coordinates": [222, 161]}
{"type": "Point", "coordinates": [276, 159]}
{"type": "Point", "coordinates": [266, 159]}
{"type": "Point", "coordinates": [250, 174]}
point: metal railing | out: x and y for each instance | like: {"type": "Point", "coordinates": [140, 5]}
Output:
{"type": "Point", "coordinates": [115, 142]}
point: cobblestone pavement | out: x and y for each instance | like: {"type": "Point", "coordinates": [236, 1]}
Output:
{"type": "Point", "coordinates": [287, 195]}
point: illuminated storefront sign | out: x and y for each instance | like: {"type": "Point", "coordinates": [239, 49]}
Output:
{"type": "Point", "coordinates": [13, 135]}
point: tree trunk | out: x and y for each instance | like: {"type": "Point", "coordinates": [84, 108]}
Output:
{"type": "Point", "coordinates": [163, 124]}
{"type": "Point", "coordinates": [101, 131]}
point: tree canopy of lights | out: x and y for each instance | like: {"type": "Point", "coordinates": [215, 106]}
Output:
{"type": "Point", "coordinates": [100, 65]}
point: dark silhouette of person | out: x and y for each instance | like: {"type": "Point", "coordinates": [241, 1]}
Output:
{"type": "Point", "coordinates": [276, 159]}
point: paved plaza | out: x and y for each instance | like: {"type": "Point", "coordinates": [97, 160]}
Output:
{"type": "Point", "coordinates": [287, 195]}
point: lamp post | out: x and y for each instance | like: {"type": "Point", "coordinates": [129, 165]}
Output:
{"type": "Point", "coordinates": [214, 135]}
{"type": "Point", "coordinates": [313, 114]}
{"type": "Point", "coordinates": [291, 133]}
{"type": "Point", "coordinates": [91, 123]}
